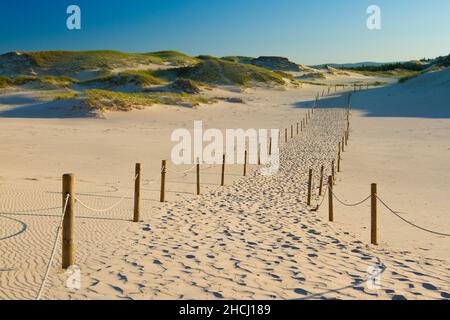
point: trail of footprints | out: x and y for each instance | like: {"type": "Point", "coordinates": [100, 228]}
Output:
{"type": "Point", "coordinates": [255, 239]}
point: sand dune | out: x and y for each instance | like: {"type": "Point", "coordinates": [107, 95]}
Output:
{"type": "Point", "coordinates": [254, 239]}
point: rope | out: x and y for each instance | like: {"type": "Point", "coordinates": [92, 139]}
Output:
{"type": "Point", "coordinates": [323, 199]}
{"type": "Point", "coordinates": [99, 210]}
{"type": "Point", "coordinates": [396, 213]}
{"type": "Point", "coordinates": [349, 204]}
{"type": "Point", "coordinates": [181, 172]}
{"type": "Point", "coordinates": [38, 297]}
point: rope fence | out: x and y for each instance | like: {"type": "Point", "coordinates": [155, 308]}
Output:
{"type": "Point", "coordinates": [55, 244]}
{"type": "Point", "coordinates": [67, 219]}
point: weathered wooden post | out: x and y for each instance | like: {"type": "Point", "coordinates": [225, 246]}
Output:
{"type": "Point", "coordinates": [245, 162]}
{"type": "Point", "coordinates": [297, 128]}
{"type": "Point", "coordinates": [330, 199]}
{"type": "Point", "coordinates": [339, 161]}
{"type": "Point", "coordinates": [309, 186]}
{"type": "Point", "coordinates": [198, 177]}
{"type": "Point", "coordinates": [259, 154]}
{"type": "Point", "coordinates": [68, 240]}
{"type": "Point", "coordinates": [374, 218]}
{"type": "Point", "coordinates": [321, 180]}
{"type": "Point", "coordinates": [292, 131]}
{"type": "Point", "coordinates": [137, 194]}
{"type": "Point", "coordinates": [333, 172]}
{"type": "Point", "coordinates": [343, 144]}
{"type": "Point", "coordinates": [270, 146]}
{"type": "Point", "coordinates": [223, 171]}
{"type": "Point", "coordinates": [301, 126]}
{"type": "Point", "coordinates": [286, 135]}
{"type": "Point", "coordinates": [163, 181]}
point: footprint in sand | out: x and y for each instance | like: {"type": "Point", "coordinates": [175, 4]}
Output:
{"type": "Point", "coordinates": [429, 286]}
{"type": "Point", "coordinates": [301, 292]}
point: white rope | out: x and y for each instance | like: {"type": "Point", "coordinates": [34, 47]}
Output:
{"type": "Point", "coordinates": [181, 172]}
{"type": "Point", "coordinates": [396, 213]}
{"type": "Point", "coordinates": [99, 210]}
{"type": "Point", "coordinates": [38, 297]}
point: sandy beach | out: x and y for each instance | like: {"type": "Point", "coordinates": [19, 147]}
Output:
{"type": "Point", "coordinates": [255, 238]}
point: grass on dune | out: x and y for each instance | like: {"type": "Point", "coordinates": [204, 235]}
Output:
{"type": "Point", "coordinates": [173, 57]}
{"type": "Point", "coordinates": [44, 82]}
{"type": "Point", "coordinates": [76, 61]}
{"type": "Point", "coordinates": [102, 100]}
{"type": "Point", "coordinates": [60, 95]}
{"type": "Point", "coordinates": [5, 82]}
{"type": "Point", "coordinates": [220, 72]}
{"type": "Point", "coordinates": [141, 78]}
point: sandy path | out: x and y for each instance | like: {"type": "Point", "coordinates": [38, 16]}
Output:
{"type": "Point", "coordinates": [253, 239]}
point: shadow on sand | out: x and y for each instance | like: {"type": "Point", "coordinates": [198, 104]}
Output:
{"type": "Point", "coordinates": [45, 110]}
{"type": "Point", "coordinates": [397, 100]}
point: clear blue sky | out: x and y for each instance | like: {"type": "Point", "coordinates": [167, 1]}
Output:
{"type": "Point", "coordinates": [307, 31]}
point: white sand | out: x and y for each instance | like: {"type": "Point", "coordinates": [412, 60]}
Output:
{"type": "Point", "coordinates": [253, 239]}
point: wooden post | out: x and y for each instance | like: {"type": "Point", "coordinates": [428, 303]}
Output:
{"type": "Point", "coordinates": [163, 181]}
{"type": "Point", "coordinates": [339, 161]}
{"type": "Point", "coordinates": [286, 135]}
{"type": "Point", "coordinates": [343, 144]}
{"type": "Point", "coordinates": [68, 245]}
{"type": "Point", "coordinates": [137, 194]}
{"type": "Point", "coordinates": [245, 163]}
{"type": "Point", "coordinates": [292, 131]}
{"type": "Point", "coordinates": [297, 129]}
{"type": "Point", "coordinates": [332, 172]}
{"type": "Point", "coordinates": [374, 218]}
{"type": "Point", "coordinates": [259, 154]}
{"type": "Point", "coordinates": [309, 186]}
{"type": "Point", "coordinates": [301, 126]}
{"type": "Point", "coordinates": [270, 146]}
{"type": "Point", "coordinates": [223, 171]}
{"type": "Point", "coordinates": [321, 180]}
{"type": "Point", "coordinates": [330, 199]}
{"type": "Point", "coordinates": [346, 137]}
{"type": "Point", "coordinates": [198, 177]}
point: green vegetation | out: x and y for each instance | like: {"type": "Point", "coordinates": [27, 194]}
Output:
{"type": "Point", "coordinates": [314, 75]}
{"type": "Point", "coordinates": [102, 100]}
{"type": "Point", "coordinates": [220, 72]}
{"type": "Point", "coordinates": [407, 66]}
{"type": "Point", "coordinates": [60, 95]}
{"type": "Point", "coordinates": [44, 82]}
{"type": "Point", "coordinates": [142, 78]}
{"type": "Point", "coordinates": [403, 70]}
{"type": "Point", "coordinates": [173, 57]}
{"type": "Point", "coordinates": [239, 59]}
{"type": "Point", "coordinates": [72, 62]}
{"type": "Point", "coordinates": [5, 82]}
